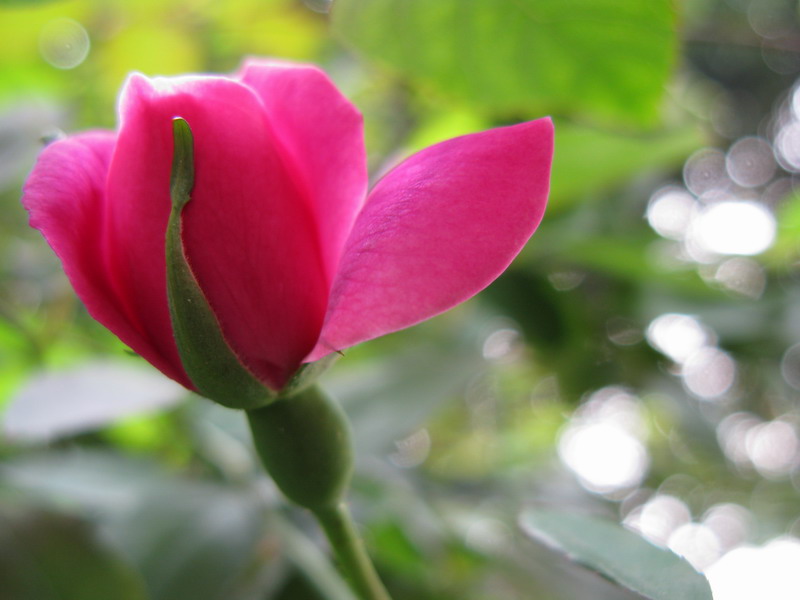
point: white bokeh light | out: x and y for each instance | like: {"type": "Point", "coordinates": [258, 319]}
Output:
{"type": "Point", "coordinates": [604, 456]}
{"type": "Point", "coordinates": [502, 344]}
{"type": "Point", "coordinates": [738, 227]}
{"type": "Point", "coordinates": [64, 43]}
{"type": "Point", "coordinates": [705, 173]}
{"type": "Point", "coordinates": [787, 146]}
{"type": "Point", "coordinates": [603, 443]}
{"type": "Point", "coordinates": [743, 276]}
{"type": "Point", "coordinates": [732, 435]}
{"type": "Point", "coordinates": [708, 373]}
{"type": "Point", "coordinates": [773, 448]}
{"type": "Point", "coordinates": [658, 518]}
{"type": "Point", "coordinates": [697, 543]}
{"type": "Point", "coordinates": [768, 572]}
{"type": "Point", "coordinates": [790, 366]}
{"type": "Point", "coordinates": [750, 162]}
{"type": "Point", "coordinates": [729, 522]}
{"type": "Point", "coordinates": [678, 336]}
{"type": "Point", "coordinates": [670, 212]}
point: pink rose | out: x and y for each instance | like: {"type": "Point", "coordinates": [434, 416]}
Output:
{"type": "Point", "coordinates": [295, 257]}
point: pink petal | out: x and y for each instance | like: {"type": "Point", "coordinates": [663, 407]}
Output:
{"type": "Point", "coordinates": [437, 229]}
{"type": "Point", "coordinates": [323, 134]}
{"type": "Point", "coordinates": [248, 230]}
{"type": "Point", "coordinates": [65, 196]}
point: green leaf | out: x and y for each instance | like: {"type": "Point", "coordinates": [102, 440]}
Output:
{"type": "Point", "coordinates": [57, 404]}
{"type": "Point", "coordinates": [208, 359]}
{"type": "Point", "coordinates": [189, 539]}
{"type": "Point", "coordinates": [24, 2]}
{"type": "Point", "coordinates": [590, 161]}
{"type": "Point", "coordinates": [48, 556]}
{"type": "Point", "coordinates": [385, 405]}
{"type": "Point", "coordinates": [607, 59]}
{"type": "Point", "coordinates": [617, 554]}
{"type": "Point", "coordinates": [627, 259]}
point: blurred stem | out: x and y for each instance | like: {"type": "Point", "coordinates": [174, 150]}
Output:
{"type": "Point", "coordinates": [311, 562]}
{"type": "Point", "coordinates": [349, 548]}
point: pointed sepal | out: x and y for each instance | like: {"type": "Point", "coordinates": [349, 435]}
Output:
{"type": "Point", "coordinates": [209, 361]}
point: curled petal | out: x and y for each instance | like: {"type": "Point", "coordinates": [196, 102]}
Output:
{"type": "Point", "coordinates": [66, 198]}
{"type": "Point", "coordinates": [437, 229]}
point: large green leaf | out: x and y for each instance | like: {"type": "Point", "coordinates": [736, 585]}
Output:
{"type": "Point", "coordinates": [57, 404]}
{"type": "Point", "coordinates": [617, 554]}
{"type": "Point", "coordinates": [48, 556]}
{"type": "Point", "coordinates": [188, 539]}
{"type": "Point", "coordinates": [609, 59]}
{"type": "Point", "coordinates": [590, 161]}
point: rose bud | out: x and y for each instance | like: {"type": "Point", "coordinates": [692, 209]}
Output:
{"type": "Point", "coordinates": [294, 257]}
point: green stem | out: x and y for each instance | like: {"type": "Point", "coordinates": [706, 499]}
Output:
{"type": "Point", "coordinates": [350, 552]}
{"type": "Point", "coordinates": [304, 444]}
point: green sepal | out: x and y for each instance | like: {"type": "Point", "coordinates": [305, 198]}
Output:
{"type": "Point", "coordinates": [307, 375]}
{"type": "Point", "coordinates": [305, 445]}
{"type": "Point", "coordinates": [209, 361]}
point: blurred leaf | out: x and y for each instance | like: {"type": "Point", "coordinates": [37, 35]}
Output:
{"type": "Point", "coordinates": [48, 556]}
{"type": "Point", "coordinates": [385, 405]}
{"type": "Point", "coordinates": [101, 483]}
{"type": "Point", "coordinates": [787, 243]}
{"type": "Point", "coordinates": [189, 539]}
{"type": "Point", "coordinates": [443, 126]}
{"type": "Point", "coordinates": [627, 258]}
{"type": "Point", "coordinates": [590, 161]}
{"type": "Point", "coordinates": [153, 49]}
{"type": "Point", "coordinates": [193, 540]}
{"type": "Point", "coordinates": [24, 2]}
{"type": "Point", "coordinates": [617, 554]}
{"type": "Point", "coordinates": [310, 563]}
{"type": "Point", "coordinates": [63, 403]}
{"type": "Point", "coordinates": [608, 59]}
{"type": "Point", "coordinates": [275, 28]}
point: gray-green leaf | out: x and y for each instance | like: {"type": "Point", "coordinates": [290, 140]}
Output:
{"type": "Point", "coordinates": [617, 554]}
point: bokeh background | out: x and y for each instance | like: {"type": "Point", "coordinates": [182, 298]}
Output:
{"type": "Point", "coordinates": [640, 359]}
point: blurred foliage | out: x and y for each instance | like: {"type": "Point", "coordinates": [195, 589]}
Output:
{"type": "Point", "coordinates": [525, 57]}
{"type": "Point", "coordinates": [502, 403]}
